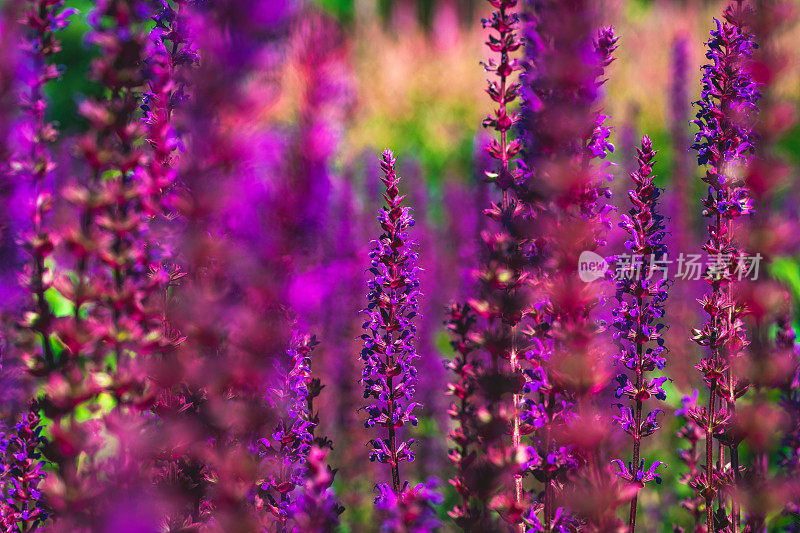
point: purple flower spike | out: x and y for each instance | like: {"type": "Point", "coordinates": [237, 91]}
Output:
{"type": "Point", "coordinates": [725, 144]}
{"type": "Point", "coordinates": [286, 452]}
{"type": "Point", "coordinates": [389, 375]}
{"type": "Point", "coordinates": [503, 91]}
{"type": "Point", "coordinates": [641, 298]}
{"type": "Point", "coordinates": [21, 473]}
{"type": "Point", "coordinates": [171, 55]}
{"type": "Point", "coordinates": [563, 186]}
{"type": "Point", "coordinates": [42, 20]}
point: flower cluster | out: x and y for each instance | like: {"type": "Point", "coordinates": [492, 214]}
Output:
{"type": "Point", "coordinates": [771, 360]}
{"type": "Point", "coordinates": [465, 454]}
{"type": "Point", "coordinates": [498, 302]}
{"type": "Point", "coordinates": [171, 53]}
{"type": "Point", "coordinates": [316, 509]}
{"type": "Point", "coordinates": [724, 142]}
{"type": "Point", "coordinates": [393, 293]}
{"type": "Point", "coordinates": [21, 473]}
{"type": "Point", "coordinates": [290, 443]}
{"type": "Point", "coordinates": [103, 273]}
{"type": "Point", "coordinates": [232, 306]}
{"type": "Point", "coordinates": [410, 509]}
{"type": "Point", "coordinates": [562, 186]}
{"type": "Point", "coordinates": [637, 319]}
{"type": "Point", "coordinates": [43, 20]}
{"type": "Point", "coordinates": [9, 252]}
{"type": "Point", "coordinates": [503, 91]}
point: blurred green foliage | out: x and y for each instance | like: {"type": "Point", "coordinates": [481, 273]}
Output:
{"type": "Point", "coordinates": [344, 10]}
{"type": "Point", "coordinates": [75, 58]}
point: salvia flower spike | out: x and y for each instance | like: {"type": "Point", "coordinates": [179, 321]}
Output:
{"type": "Point", "coordinates": [42, 19]}
{"type": "Point", "coordinates": [21, 473]}
{"type": "Point", "coordinates": [389, 374]}
{"type": "Point", "coordinates": [564, 186]}
{"type": "Point", "coordinates": [641, 293]}
{"type": "Point", "coordinates": [498, 301]}
{"type": "Point", "coordinates": [724, 143]}
{"type": "Point", "coordinates": [290, 443]}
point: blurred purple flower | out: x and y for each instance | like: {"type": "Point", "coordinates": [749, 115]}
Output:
{"type": "Point", "coordinates": [563, 187]}
{"type": "Point", "coordinates": [33, 165]}
{"type": "Point", "coordinates": [411, 509]}
{"type": "Point", "coordinates": [316, 509]}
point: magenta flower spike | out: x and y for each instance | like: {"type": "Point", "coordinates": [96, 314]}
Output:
{"type": "Point", "coordinates": [725, 143]}
{"type": "Point", "coordinates": [470, 513]}
{"type": "Point", "coordinates": [21, 473]}
{"type": "Point", "coordinates": [498, 302]}
{"type": "Point", "coordinates": [287, 449]}
{"type": "Point", "coordinates": [104, 274]}
{"type": "Point", "coordinates": [171, 54]}
{"type": "Point", "coordinates": [21, 461]}
{"type": "Point", "coordinates": [770, 232]}
{"type": "Point", "coordinates": [43, 20]}
{"type": "Point", "coordinates": [232, 305]}
{"type": "Point", "coordinates": [564, 187]}
{"type": "Point", "coordinates": [638, 320]}
{"type": "Point", "coordinates": [503, 91]}
{"type": "Point", "coordinates": [389, 374]}
{"type": "Point", "coordinates": [12, 59]}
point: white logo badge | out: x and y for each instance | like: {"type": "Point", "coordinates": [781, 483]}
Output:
{"type": "Point", "coordinates": [591, 266]}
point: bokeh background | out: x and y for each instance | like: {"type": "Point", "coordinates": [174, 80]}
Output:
{"type": "Point", "coordinates": [405, 74]}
